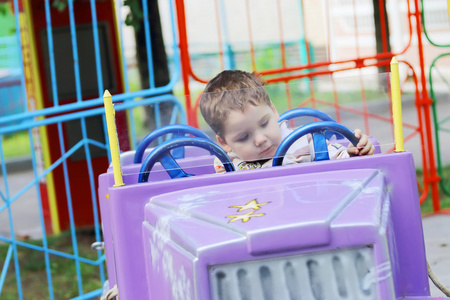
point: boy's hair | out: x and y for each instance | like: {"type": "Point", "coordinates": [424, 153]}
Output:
{"type": "Point", "coordinates": [230, 90]}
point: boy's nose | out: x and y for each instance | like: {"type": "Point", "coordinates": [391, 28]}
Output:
{"type": "Point", "coordinates": [260, 139]}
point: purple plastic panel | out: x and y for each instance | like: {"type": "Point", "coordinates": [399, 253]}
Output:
{"type": "Point", "coordinates": [300, 206]}
{"type": "Point", "coordinates": [105, 183]}
{"type": "Point", "coordinates": [127, 203]}
{"type": "Point", "coordinates": [173, 267]}
{"type": "Point", "coordinates": [287, 216]}
{"type": "Point", "coordinates": [199, 162]}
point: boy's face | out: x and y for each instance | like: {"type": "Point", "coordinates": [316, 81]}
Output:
{"type": "Point", "coordinates": [252, 134]}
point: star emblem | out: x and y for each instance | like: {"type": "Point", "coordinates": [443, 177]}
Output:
{"type": "Point", "coordinates": [250, 205]}
{"type": "Point", "coordinates": [245, 217]}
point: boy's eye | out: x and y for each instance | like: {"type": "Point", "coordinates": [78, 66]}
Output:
{"type": "Point", "coordinates": [243, 138]}
{"type": "Point", "coordinates": [264, 124]}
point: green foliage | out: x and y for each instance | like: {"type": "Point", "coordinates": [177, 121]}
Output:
{"type": "Point", "coordinates": [135, 16]}
{"type": "Point", "coordinates": [17, 144]}
{"type": "Point", "coordinates": [34, 277]}
{"type": "Point", "coordinates": [444, 199]}
{"type": "Point", "coordinates": [60, 5]}
{"type": "Point", "coordinates": [4, 10]}
{"type": "Point", "coordinates": [7, 20]}
{"type": "Point", "coordinates": [266, 59]}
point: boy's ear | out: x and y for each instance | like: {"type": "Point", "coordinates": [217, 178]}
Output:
{"type": "Point", "coordinates": [274, 109]}
{"type": "Point", "coordinates": [223, 144]}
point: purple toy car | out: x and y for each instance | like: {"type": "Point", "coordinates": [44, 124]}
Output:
{"type": "Point", "coordinates": [341, 229]}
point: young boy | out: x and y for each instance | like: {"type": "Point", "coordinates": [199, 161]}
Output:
{"type": "Point", "coordinates": [238, 109]}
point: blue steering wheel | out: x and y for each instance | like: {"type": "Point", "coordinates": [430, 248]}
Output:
{"type": "Point", "coordinates": [309, 112]}
{"type": "Point", "coordinates": [178, 130]}
{"type": "Point", "coordinates": [162, 154]}
{"type": "Point", "coordinates": [317, 129]}
{"type": "Point", "coordinates": [305, 112]}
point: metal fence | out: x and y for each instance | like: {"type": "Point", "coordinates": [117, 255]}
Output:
{"type": "Point", "coordinates": [347, 38]}
{"type": "Point", "coordinates": [65, 68]}
{"type": "Point", "coordinates": [438, 73]}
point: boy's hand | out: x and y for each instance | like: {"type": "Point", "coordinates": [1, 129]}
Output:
{"type": "Point", "coordinates": [364, 147]}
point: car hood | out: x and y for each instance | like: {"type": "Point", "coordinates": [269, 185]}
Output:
{"type": "Point", "coordinates": [268, 215]}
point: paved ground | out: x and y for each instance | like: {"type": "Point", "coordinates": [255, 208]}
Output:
{"type": "Point", "coordinates": [436, 231]}
{"type": "Point", "coordinates": [26, 221]}
{"type": "Point", "coordinates": [25, 209]}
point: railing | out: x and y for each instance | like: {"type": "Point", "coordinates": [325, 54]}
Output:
{"type": "Point", "coordinates": [64, 125]}
{"type": "Point", "coordinates": [358, 37]}
{"type": "Point", "coordinates": [435, 23]}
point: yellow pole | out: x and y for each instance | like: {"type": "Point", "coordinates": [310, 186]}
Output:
{"type": "Point", "coordinates": [396, 106]}
{"type": "Point", "coordinates": [113, 142]}
{"type": "Point", "coordinates": [34, 97]}
{"type": "Point", "coordinates": [448, 10]}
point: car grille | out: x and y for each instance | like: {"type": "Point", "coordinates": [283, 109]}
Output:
{"type": "Point", "coordinates": [341, 274]}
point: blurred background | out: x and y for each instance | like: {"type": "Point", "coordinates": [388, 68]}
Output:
{"type": "Point", "coordinates": [57, 57]}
